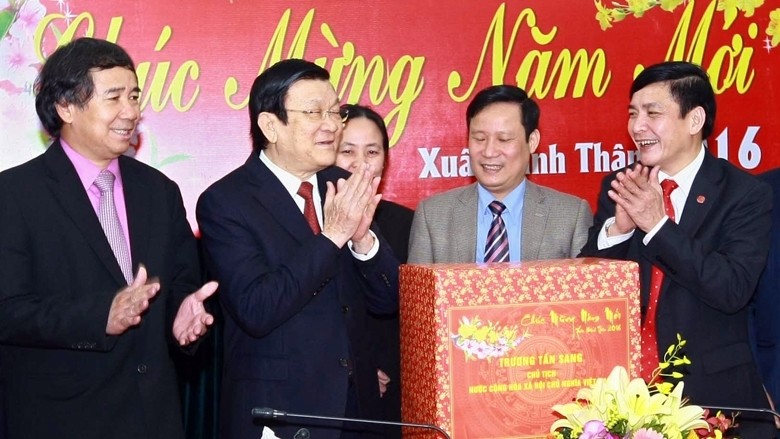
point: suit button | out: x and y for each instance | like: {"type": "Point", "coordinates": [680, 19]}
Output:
{"type": "Point", "coordinates": [345, 363]}
{"type": "Point", "coordinates": [141, 368]}
{"type": "Point", "coordinates": [345, 309]}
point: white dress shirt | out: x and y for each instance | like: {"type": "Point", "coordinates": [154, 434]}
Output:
{"type": "Point", "coordinates": [293, 183]}
{"type": "Point", "coordinates": [684, 180]}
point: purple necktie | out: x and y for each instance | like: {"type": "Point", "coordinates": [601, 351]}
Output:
{"type": "Point", "coordinates": [109, 220]}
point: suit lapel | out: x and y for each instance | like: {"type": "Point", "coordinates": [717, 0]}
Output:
{"type": "Point", "coordinates": [464, 220]}
{"type": "Point", "coordinates": [273, 196]}
{"type": "Point", "coordinates": [64, 182]}
{"type": "Point", "coordinates": [535, 213]}
{"type": "Point", "coordinates": [703, 194]}
{"type": "Point", "coordinates": [139, 216]}
{"type": "Point", "coordinates": [701, 198]}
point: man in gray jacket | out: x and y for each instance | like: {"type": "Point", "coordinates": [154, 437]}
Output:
{"type": "Point", "coordinates": [502, 217]}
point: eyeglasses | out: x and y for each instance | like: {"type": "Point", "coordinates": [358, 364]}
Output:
{"type": "Point", "coordinates": [317, 116]}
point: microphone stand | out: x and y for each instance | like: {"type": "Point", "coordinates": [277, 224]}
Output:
{"type": "Point", "coordinates": [742, 409]}
{"type": "Point", "coordinates": [268, 413]}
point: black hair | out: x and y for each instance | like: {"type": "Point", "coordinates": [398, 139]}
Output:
{"type": "Point", "coordinates": [66, 77]}
{"type": "Point", "coordinates": [270, 90]}
{"type": "Point", "coordinates": [689, 86]}
{"type": "Point", "coordinates": [353, 111]}
{"type": "Point", "coordinates": [506, 93]}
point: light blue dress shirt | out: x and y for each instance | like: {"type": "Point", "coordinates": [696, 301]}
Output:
{"type": "Point", "coordinates": [513, 219]}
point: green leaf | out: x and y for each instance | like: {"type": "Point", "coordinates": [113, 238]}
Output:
{"type": "Point", "coordinates": [6, 20]}
{"type": "Point", "coordinates": [56, 31]}
{"type": "Point", "coordinates": [173, 159]}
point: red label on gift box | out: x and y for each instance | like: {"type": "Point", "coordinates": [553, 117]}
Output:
{"type": "Point", "coordinates": [487, 350]}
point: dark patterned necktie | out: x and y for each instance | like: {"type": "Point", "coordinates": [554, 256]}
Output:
{"type": "Point", "coordinates": [497, 244]}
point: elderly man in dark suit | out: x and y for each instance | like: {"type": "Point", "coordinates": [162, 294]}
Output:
{"type": "Point", "coordinates": [287, 234]}
{"type": "Point", "coordinates": [699, 228]}
{"type": "Point", "coordinates": [98, 265]}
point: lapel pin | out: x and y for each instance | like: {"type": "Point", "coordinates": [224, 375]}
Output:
{"type": "Point", "coordinates": [700, 199]}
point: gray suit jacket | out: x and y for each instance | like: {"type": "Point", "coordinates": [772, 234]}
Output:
{"type": "Point", "coordinates": [555, 226]}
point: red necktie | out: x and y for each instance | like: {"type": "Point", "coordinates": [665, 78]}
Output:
{"type": "Point", "coordinates": [650, 358]}
{"type": "Point", "coordinates": [308, 206]}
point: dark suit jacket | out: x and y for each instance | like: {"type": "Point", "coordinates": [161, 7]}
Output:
{"type": "Point", "coordinates": [765, 311]}
{"type": "Point", "coordinates": [64, 377]}
{"type": "Point", "coordinates": [712, 261]}
{"type": "Point", "coordinates": [395, 222]}
{"type": "Point", "coordinates": [294, 303]}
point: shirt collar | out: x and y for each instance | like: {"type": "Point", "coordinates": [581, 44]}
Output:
{"type": "Point", "coordinates": [513, 201]}
{"type": "Point", "coordinates": [88, 171]}
{"type": "Point", "coordinates": [288, 180]}
{"type": "Point", "coordinates": [685, 177]}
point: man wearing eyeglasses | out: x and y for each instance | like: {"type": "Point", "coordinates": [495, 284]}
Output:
{"type": "Point", "coordinates": [288, 234]}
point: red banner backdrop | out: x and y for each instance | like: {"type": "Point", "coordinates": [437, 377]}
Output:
{"type": "Point", "coordinates": [419, 64]}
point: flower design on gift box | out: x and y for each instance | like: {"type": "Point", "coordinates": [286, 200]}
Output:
{"type": "Point", "coordinates": [484, 341]}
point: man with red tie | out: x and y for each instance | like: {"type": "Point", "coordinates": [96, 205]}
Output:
{"type": "Point", "coordinates": [287, 234]}
{"type": "Point", "coordinates": [699, 229]}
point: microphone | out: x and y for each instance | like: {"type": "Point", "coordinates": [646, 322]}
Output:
{"type": "Point", "coordinates": [269, 413]}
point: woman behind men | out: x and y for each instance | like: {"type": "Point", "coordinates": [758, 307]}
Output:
{"type": "Point", "coordinates": [364, 139]}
